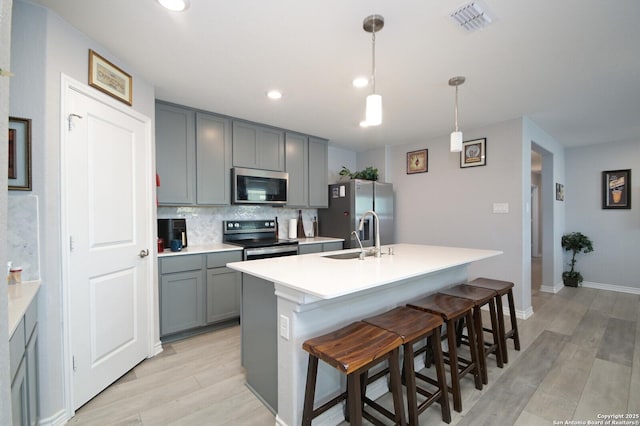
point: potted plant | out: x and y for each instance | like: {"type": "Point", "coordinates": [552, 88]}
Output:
{"type": "Point", "coordinates": [575, 242]}
{"type": "Point", "coordinates": [370, 173]}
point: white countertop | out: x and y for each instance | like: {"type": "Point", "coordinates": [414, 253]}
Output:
{"type": "Point", "coordinates": [318, 240]}
{"type": "Point", "coordinates": [20, 297]}
{"type": "Point", "coordinates": [326, 278]}
{"type": "Point", "coordinates": [207, 248]}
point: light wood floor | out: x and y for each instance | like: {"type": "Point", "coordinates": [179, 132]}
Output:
{"type": "Point", "coordinates": [580, 358]}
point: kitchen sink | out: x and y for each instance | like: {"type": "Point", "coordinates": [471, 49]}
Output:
{"type": "Point", "coordinates": [352, 255]}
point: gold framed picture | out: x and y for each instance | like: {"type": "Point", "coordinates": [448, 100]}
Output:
{"type": "Point", "coordinates": [110, 79]}
{"type": "Point", "coordinates": [19, 143]}
{"type": "Point", "coordinates": [474, 153]}
{"type": "Point", "coordinates": [616, 189]}
{"type": "Point", "coordinates": [417, 161]}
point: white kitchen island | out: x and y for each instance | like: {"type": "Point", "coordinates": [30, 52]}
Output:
{"type": "Point", "coordinates": [315, 294]}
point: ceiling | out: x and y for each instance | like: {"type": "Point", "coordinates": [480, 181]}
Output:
{"type": "Point", "coordinates": [572, 66]}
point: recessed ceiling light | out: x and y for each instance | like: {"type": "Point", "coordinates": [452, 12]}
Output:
{"type": "Point", "coordinates": [360, 82]}
{"type": "Point", "coordinates": [175, 5]}
{"type": "Point", "coordinates": [274, 94]}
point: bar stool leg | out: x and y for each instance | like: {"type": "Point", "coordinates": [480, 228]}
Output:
{"type": "Point", "coordinates": [475, 356]}
{"type": "Point", "coordinates": [477, 324]}
{"type": "Point", "coordinates": [410, 381]}
{"type": "Point", "coordinates": [354, 400]}
{"type": "Point", "coordinates": [514, 323]}
{"type": "Point", "coordinates": [310, 391]}
{"type": "Point", "coordinates": [396, 386]}
{"type": "Point", "coordinates": [453, 364]}
{"type": "Point", "coordinates": [442, 380]}
{"type": "Point", "coordinates": [501, 330]}
{"type": "Point", "coordinates": [495, 329]}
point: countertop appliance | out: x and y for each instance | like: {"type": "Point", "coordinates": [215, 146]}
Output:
{"type": "Point", "coordinates": [172, 229]}
{"type": "Point", "coordinates": [254, 186]}
{"type": "Point", "coordinates": [258, 237]}
{"type": "Point", "coordinates": [347, 203]}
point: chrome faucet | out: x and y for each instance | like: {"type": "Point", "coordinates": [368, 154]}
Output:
{"type": "Point", "coordinates": [377, 252]}
{"type": "Point", "coordinates": [362, 254]}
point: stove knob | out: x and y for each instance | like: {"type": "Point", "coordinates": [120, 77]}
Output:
{"type": "Point", "coordinates": [229, 225]}
{"type": "Point", "coordinates": [236, 225]}
{"type": "Point", "coordinates": [266, 224]}
{"type": "Point", "coordinates": [272, 224]}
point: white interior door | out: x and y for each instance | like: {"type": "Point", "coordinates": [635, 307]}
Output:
{"type": "Point", "coordinates": [108, 179]}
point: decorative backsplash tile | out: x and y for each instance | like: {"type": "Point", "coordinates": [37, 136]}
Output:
{"type": "Point", "coordinates": [204, 224]}
{"type": "Point", "coordinates": [22, 235]}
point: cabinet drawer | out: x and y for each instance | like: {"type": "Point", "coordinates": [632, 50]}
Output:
{"type": "Point", "coordinates": [309, 248]}
{"type": "Point", "coordinates": [332, 246]}
{"type": "Point", "coordinates": [217, 260]}
{"type": "Point", "coordinates": [180, 264]}
{"type": "Point", "coordinates": [17, 344]}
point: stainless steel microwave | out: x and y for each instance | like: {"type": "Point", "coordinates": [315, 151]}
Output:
{"type": "Point", "coordinates": [254, 186]}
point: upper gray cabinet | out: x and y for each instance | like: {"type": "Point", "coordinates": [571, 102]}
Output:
{"type": "Point", "coordinates": [318, 179]}
{"type": "Point", "coordinates": [175, 154]}
{"type": "Point", "coordinates": [257, 147]}
{"type": "Point", "coordinates": [297, 165]}
{"type": "Point", "coordinates": [213, 159]}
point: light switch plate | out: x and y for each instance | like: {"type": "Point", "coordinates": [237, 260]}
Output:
{"type": "Point", "coordinates": [284, 327]}
{"type": "Point", "coordinates": [501, 207]}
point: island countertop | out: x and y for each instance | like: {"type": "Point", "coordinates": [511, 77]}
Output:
{"type": "Point", "coordinates": [325, 278]}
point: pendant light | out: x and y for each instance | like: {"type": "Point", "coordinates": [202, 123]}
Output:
{"type": "Point", "coordinates": [372, 24]}
{"type": "Point", "coordinates": [456, 135]}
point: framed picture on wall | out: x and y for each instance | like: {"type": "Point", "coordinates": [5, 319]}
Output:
{"type": "Point", "coordinates": [110, 79]}
{"type": "Point", "coordinates": [417, 161]}
{"type": "Point", "coordinates": [616, 189]}
{"type": "Point", "coordinates": [19, 143]}
{"type": "Point", "coordinates": [474, 153]}
{"type": "Point", "coordinates": [559, 192]}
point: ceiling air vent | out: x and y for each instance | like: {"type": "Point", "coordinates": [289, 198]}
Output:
{"type": "Point", "coordinates": [471, 17]}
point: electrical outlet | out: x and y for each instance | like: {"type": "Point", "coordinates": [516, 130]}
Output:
{"type": "Point", "coordinates": [501, 207]}
{"type": "Point", "coordinates": [284, 327]}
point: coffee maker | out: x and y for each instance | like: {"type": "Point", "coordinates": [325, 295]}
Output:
{"type": "Point", "coordinates": [172, 229]}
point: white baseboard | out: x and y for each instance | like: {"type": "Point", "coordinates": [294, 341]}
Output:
{"type": "Point", "coordinates": [552, 289]}
{"type": "Point", "coordinates": [157, 348]}
{"type": "Point", "coordinates": [611, 287]}
{"type": "Point", "coordinates": [523, 314]}
{"type": "Point", "coordinates": [58, 419]}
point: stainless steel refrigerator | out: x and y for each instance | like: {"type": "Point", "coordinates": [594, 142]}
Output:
{"type": "Point", "coordinates": [348, 201]}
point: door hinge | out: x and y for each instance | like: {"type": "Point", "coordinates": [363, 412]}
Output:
{"type": "Point", "coordinates": [73, 358]}
{"type": "Point", "coordinates": [71, 247]}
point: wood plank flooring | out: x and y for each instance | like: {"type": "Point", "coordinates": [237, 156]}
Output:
{"type": "Point", "coordinates": [580, 357]}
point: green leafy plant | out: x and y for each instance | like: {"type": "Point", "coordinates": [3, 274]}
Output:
{"type": "Point", "coordinates": [575, 242]}
{"type": "Point", "coordinates": [370, 173]}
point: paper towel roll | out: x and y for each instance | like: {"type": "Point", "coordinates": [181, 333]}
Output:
{"type": "Point", "coordinates": [293, 228]}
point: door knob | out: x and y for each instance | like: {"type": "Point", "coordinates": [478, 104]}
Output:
{"type": "Point", "coordinates": [144, 253]}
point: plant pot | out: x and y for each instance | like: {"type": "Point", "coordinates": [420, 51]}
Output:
{"type": "Point", "coordinates": [571, 281]}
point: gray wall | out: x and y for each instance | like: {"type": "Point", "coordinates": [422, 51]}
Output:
{"type": "Point", "coordinates": [615, 233]}
{"type": "Point", "coordinates": [5, 380]}
{"type": "Point", "coordinates": [43, 47]}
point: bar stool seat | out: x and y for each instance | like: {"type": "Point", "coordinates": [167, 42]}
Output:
{"type": "Point", "coordinates": [452, 309]}
{"type": "Point", "coordinates": [502, 288]}
{"type": "Point", "coordinates": [413, 325]}
{"type": "Point", "coordinates": [353, 350]}
{"type": "Point", "coordinates": [480, 297]}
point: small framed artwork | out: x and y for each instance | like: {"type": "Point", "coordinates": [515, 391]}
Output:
{"type": "Point", "coordinates": [616, 189]}
{"type": "Point", "coordinates": [110, 79]}
{"type": "Point", "coordinates": [559, 192]}
{"type": "Point", "coordinates": [474, 153]}
{"type": "Point", "coordinates": [417, 161]}
{"type": "Point", "coordinates": [19, 142]}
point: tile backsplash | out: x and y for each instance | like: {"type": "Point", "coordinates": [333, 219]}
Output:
{"type": "Point", "coordinates": [204, 224]}
{"type": "Point", "coordinates": [22, 235]}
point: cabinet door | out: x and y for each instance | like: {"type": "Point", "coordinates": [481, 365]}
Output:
{"type": "Point", "coordinates": [175, 154]}
{"type": "Point", "coordinates": [223, 294]}
{"type": "Point", "coordinates": [181, 301]}
{"type": "Point", "coordinates": [257, 147]}
{"type": "Point", "coordinates": [318, 167]}
{"type": "Point", "coordinates": [213, 159]}
{"type": "Point", "coordinates": [31, 358]}
{"type": "Point", "coordinates": [20, 396]}
{"type": "Point", "coordinates": [309, 248]}
{"type": "Point", "coordinates": [297, 164]}
{"type": "Point", "coordinates": [332, 246]}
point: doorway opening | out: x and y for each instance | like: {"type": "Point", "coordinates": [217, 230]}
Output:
{"type": "Point", "coordinates": [542, 204]}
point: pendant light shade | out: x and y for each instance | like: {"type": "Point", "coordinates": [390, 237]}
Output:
{"type": "Point", "coordinates": [456, 135]}
{"type": "Point", "coordinates": [374, 110]}
{"type": "Point", "coordinates": [373, 116]}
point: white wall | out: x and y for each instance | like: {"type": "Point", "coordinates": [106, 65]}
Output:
{"type": "Point", "coordinates": [339, 157]}
{"type": "Point", "coordinates": [44, 47]}
{"type": "Point", "coordinates": [5, 64]}
{"type": "Point", "coordinates": [615, 233]}
{"type": "Point", "coordinates": [378, 158]}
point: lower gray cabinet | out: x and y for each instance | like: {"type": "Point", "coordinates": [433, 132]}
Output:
{"type": "Point", "coordinates": [20, 396]}
{"type": "Point", "coordinates": [223, 294]}
{"type": "Point", "coordinates": [198, 290]}
{"type": "Point", "coordinates": [320, 247]}
{"type": "Point", "coordinates": [23, 348]}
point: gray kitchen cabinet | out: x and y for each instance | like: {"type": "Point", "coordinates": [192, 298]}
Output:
{"type": "Point", "coordinates": [23, 355]}
{"type": "Point", "coordinates": [319, 247]}
{"type": "Point", "coordinates": [175, 154]}
{"type": "Point", "coordinates": [318, 166]}
{"type": "Point", "coordinates": [223, 286]}
{"type": "Point", "coordinates": [213, 159]}
{"type": "Point", "coordinates": [181, 293]}
{"type": "Point", "coordinates": [258, 147]}
{"type": "Point", "coordinates": [297, 165]}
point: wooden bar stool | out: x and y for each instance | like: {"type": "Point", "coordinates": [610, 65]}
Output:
{"type": "Point", "coordinates": [452, 309]}
{"type": "Point", "coordinates": [413, 325]}
{"type": "Point", "coordinates": [353, 350]}
{"type": "Point", "coordinates": [480, 297]}
{"type": "Point", "coordinates": [502, 288]}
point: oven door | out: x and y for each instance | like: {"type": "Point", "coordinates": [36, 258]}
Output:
{"type": "Point", "coordinates": [268, 252]}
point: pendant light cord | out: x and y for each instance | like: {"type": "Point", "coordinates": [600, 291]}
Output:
{"type": "Point", "coordinates": [456, 110]}
{"type": "Point", "coordinates": [373, 59]}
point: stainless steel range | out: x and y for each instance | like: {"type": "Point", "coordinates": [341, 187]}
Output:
{"type": "Point", "coordinates": [258, 237]}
